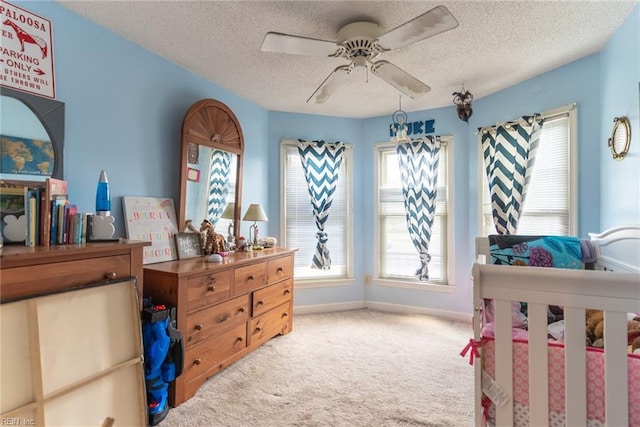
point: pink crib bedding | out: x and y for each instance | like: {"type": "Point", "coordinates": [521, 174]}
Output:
{"type": "Point", "coordinates": [595, 382]}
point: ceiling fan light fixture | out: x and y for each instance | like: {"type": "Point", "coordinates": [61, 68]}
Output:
{"type": "Point", "coordinates": [361, 42]}
{"type": "Point", "coordinates": [359, 61]}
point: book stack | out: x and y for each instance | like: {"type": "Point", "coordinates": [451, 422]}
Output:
{"type": "Point", "coordinates": [39, 213]}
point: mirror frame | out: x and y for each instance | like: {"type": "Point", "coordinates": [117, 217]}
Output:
{"type": "Point", "coordinates": [211, 123]}
{"type": "Point", "coordinates": [621, 124]}
{"type": "Point", "coordinates": [51, 114]}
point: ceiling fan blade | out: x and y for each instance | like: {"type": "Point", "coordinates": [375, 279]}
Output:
{"type": "Point", "coordinates": [330, 84]}
{"type": "Point", "coordinates": [399, 79]}
{"type": "Point", "coordinates": [435, 21]}
{"type": "Point", "coordinates": [296, 45]}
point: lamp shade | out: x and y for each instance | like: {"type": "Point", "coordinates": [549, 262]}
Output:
{"type": "Point", "coordinates": [229, 211]}
{"type": "Point", "coordinates": [255, 213]}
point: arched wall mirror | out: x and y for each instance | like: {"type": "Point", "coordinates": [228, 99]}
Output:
{"type": "Point", "coordinates": [211, 167]}
{"type": "Point", "coordinates": [32, 132]}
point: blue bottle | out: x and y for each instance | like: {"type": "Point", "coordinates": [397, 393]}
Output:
{"type": "Point", "coordinates": [103, 198]}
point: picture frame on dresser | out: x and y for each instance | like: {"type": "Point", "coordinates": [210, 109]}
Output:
{"type": "Point", "coordinates": [188, 245]}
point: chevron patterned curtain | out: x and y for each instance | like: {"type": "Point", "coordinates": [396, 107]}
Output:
{"type": "Point", "coordinates": [220, 166]}
{"type": "Point", "coordinates": [418, 160]}
{"type": "Point", "coordinates": [321, 163]}
{"type": "Point", "coordinates": [509, 153]}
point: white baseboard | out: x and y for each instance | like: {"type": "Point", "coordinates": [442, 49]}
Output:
{"type": "Point", "coordinates": [409, 309]}
{"type": "Point", "coordinates": [325, 308]}
{"type": "Point", "coordinates": [380, 306]}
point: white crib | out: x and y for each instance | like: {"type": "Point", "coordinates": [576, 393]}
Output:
{"type": "Point", "coordinates": [616, 292]}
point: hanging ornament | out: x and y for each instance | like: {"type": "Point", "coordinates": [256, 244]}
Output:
{"type": "Point", "coordinates": [462, 100]}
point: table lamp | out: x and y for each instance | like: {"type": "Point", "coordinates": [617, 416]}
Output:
{"type": "Point", "coordinates": [229, 212]}
{"type": "Point", "coordinates": [255, 213]}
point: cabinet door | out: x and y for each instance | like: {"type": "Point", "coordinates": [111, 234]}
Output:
{"type": "Point", "coordinates": [213, 320]}
{"type": "Point", "coordinates": [208, 289]}
{"type": "Point", "coordinates": [34, 281]}
{"type": "Point", "coordinates": [270, 324]}
{"type": "Point", "coordinates": [249, 278]}
{"type": "Point", "coordinates": [280, 269]}
{"type": "Point", "coordinates": [272, 296]}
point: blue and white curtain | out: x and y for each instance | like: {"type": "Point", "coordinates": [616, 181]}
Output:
{"type": "Point", "coordinates": [321, 162]}
{"type": "Point", "coordinates": [418, 161]}
{"type": "Point", "coordinates": [509, 153]}
{"type": "Point", "coordinates": [219, 168]}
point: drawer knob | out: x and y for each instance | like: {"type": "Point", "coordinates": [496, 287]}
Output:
{"type": "Point", "coordinates": [242, 309]}
{"type": "Point", "coordinates": [240, 339]}
{"type": "Point", "coordinates": [199, 326]}
{"type": "Point", "coordinates": [285, 314]}
{"type": "Point", "coordinates": [287, 291]}
{"type": "Point", "coordinates": [279, 270]}
{"type": "Point", "coordinates": [252, 277]}
{"type": "Point", "coordinates": [211, 288]}
{"type": "Point", "coordinates": [197, 361]}
{"type": "Point", "coordinates": [110, 276]}
{"type": "Point", "coordinates": [260, 302]}
{"type": "Point", "coordinates": [258, 328]}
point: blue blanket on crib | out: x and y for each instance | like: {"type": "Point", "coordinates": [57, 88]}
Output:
{"type": "Point", "coordinates": [541, 251]}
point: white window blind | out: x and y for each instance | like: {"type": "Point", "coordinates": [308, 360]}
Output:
{"type": "Point", "coordinates": [547, 202]}
{"type": "Point", "coordinates": [397, 257]}
{"type": "Point", "coordinates": [299, 223]}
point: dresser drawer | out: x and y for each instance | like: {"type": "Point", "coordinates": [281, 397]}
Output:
{"type": "Point", "coordinates": [215, 319]}
{"type": "Point", "coordinates": [270, 324]}
{"type": "Point", "coordinates": [249, 278]}
{"type": "Point", "coordinates": [279, 268]}
{"type": "Point", "coordinates": [272, 296]}
{"type": "Point", "coordinates": [30, 280]}
{"type": "Point", "coordinates": [208, 289]}
{"type": "Point", "coordinates": [206, 356]}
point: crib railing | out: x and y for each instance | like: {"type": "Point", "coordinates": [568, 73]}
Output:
{"type": "Point", "coordinates": [576, 290]}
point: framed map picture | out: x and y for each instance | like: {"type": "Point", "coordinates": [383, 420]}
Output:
{"type": "Point", "coordinates": [25, 156]}
{"type": "Point", "coordinates": [152, 219]}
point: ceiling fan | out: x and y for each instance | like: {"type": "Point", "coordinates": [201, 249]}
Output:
{"type": "Point", "coordinates": [361, 43]}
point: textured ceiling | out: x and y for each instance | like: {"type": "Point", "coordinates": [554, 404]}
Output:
{"type": "Point", "coordinates": [496, 45]}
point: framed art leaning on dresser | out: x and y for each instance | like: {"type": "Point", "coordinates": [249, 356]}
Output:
{"type": "Point", "coordinates": [188, 245]}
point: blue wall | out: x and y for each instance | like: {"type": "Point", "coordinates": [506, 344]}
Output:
{"type": "Point", "coordinates": [124, 110]}
{"type": "Point", "coordinates": [620, 86]}
{"type": "Point", "coordinates": [125, 105]}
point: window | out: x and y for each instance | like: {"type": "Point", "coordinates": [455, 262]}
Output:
{"type": "Point", "coordinates": [397, 257]}
{"type": "Point", "coordinates": [548, 207]}
{"type": "Point", "coordinates": [299, 224]}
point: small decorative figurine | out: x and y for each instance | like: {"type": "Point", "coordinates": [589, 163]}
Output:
{"type": "Point", "coordinates": [213, 242]}
{"type": "Point", "coordinates": [189, 227]}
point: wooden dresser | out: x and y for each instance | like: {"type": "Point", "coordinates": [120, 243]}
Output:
{"type": "Point", "coordinates": [29, 271]}
{"type": "Point", "coordinates": [224, 309]}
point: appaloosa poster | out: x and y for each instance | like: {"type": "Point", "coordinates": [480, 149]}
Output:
{"type": "Point", "coordinates": [26, 51]}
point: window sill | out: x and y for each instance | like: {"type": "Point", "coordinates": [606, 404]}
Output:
{"type": "Point", "coordinates": [322, 283]}
{"type": "Point", "coordinates": [430, 287]}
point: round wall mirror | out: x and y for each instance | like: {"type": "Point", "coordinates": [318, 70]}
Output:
{"type": "Point", "coordinates": [620, 138]}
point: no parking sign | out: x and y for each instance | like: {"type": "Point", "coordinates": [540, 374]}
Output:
{"type": "Point", "coordinates": [26, 51]}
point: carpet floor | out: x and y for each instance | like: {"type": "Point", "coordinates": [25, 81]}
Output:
{"type": "Point", "coordinates": [352, 368]}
